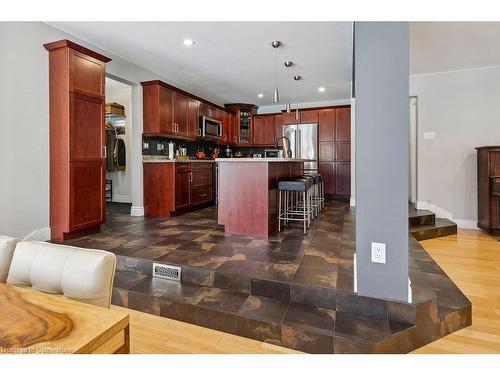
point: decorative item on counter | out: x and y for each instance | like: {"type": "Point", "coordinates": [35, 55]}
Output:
{"type": "Point", "coordinates": [171, 150]}
{"type": "Point", "coordinates": [215, 153]}
{"type": "Point", "coordinates": [229, 152]}
{"type": "Point", "coordinates": [200, 155]}
{"type": "Point", "coordinates": [238, 154]}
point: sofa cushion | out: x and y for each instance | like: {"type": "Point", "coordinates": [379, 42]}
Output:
{"type": "Point", "coordinates": [7, 246]}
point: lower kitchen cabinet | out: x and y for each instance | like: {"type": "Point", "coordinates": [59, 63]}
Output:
{"type": "Point", "coordinates": [336, 178]}
{"type": "Point", "coordinates": [171, 188]}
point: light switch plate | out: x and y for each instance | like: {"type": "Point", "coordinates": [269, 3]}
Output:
{"type": "Point", "coordinates": [378, 252]}
{"type": "Point", "coordinates": [429, 135]}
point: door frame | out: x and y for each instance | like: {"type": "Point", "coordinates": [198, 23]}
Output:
{"type": "Point", "coordinates": [413, 149]}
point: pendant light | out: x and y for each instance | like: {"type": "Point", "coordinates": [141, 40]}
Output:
{"type": "Point", "coordinates": [297, 117]}
{"type": "Point", "coordinates": [276, 97]}
{"type": "Point", "coordinates": [288, 64]}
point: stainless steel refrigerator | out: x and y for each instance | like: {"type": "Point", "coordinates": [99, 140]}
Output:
{"type": "Point", "coordinates": [304, 143]}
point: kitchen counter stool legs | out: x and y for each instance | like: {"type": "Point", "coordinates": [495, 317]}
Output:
{"type": "Point", "coordinates": [294, 202]}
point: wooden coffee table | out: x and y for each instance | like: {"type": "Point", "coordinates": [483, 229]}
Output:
{"type": "Point", "coordinates": [35, 322]}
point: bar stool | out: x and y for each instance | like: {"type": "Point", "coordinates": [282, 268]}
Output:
{"type": "Point", "coordinates": [319, 195]}
{"type": "Point", "coordinates": [290, 193]}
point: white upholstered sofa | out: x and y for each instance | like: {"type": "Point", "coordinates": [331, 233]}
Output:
{"type": "Point", "coordinates": [81, 274]}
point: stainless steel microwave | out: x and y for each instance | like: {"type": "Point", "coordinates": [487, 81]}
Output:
{"type": "Point", "coordinates": [210, 128]}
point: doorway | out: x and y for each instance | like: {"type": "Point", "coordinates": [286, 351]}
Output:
{"type": "Point", "coordinates": [118, 139]}
{"type": "Point", "coordinates": [412, 149]}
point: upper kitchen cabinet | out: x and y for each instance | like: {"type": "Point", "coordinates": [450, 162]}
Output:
{"type": "Point", "coordinates": [326, 126]}
{"type": "Point", "coordinates": [227, 128]}
{"type": "Point", "coordinates": [305, 116]}
{"type": "Point", "coordinates": [157, 109]}
{"type": "Point", "coordinates": [77, 144]}
{"type": "Point", "coordinates": [343, 124]}
{"type": "Point", "coordinates": [243, 122]}
{"type": "Point", "coordinates": [180, 124]}
{"type": "Point", "coordinates": [278, 127]}
{"type": "Point", "coordinates": [264, 131]}
{"type": "Point", "coordinates": [193, 118]}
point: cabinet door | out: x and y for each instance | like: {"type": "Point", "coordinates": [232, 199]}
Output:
{"type": "Point", "coordinates": [309, 116]}
{"type": "Point", "coordinates": [278, 127]}
{"type": "Point", "coordinates": [86, 74]}
{"type": "Point", "coordinates": [326, 120]}
{"type": "Point", "coordinates": [193, 118]}
{"type": "Point", "coordinates": [165, 110]}
{"type": "Point", "coordinates": [182, 188]}
{"type": "Point", "coordinates": [343, 151]}
{"type": "Point", "coordinates": [180, 113]}
{"type": "Point", "coordinates": [86, 128]}
{"type": "Point", "coordinates": [201, 177]}
{"type": "Point", "coordinates": [327, 170]}
{"type": "Point", "coordinates": [259, 129]}
{"type": "Point", "coordinates": [326, 151]}
{"type": "Point", "coordinates": [227, 127]}
{"type": "Point", "coordinates": [343, 178]}
{"type": "Point", "coordinates": [343, 124]}
{"type": "Point", "coordinates": [289, 118]}
{"type": "Point", "coordinates": [86, 194]}
{"type": "Point", "coordinates": [269, 130]}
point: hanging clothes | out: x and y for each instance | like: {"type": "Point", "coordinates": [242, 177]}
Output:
{"type": "Point", "coordinates": [120, 154]}
{"type": "Point", "coordinates": [110, 147]}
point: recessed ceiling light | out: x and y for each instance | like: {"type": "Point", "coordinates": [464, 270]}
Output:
{"type": "Point", "coordinates": [188, 42]}
{"type": "Point", "coordinates": [260, 95]}
{"type": "Point", "coordinates": [321, 89]}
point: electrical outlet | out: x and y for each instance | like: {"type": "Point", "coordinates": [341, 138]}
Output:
{"type": "Point", "coordinates": [378, 252]}
{"type": "Point", "coordinates": [159, 146]}
{"type": "Point", "coordinates": [145, 145]}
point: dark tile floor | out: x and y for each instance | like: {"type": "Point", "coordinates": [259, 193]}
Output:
{"type": "Point", "coordinates": [291, 290]}
{"type": "Point", "coordinates": [322, 258]}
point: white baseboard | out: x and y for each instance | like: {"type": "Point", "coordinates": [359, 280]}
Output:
{"type": "Point", "coordinates": [466, 223]}
{"type": "Point", "coordinates": [137, 211]}
{"type": "Point", "coordinates": [440, 212]}
{"type": "Point", "coordinates": [42, 234]}
{"type": "Point", "coordinates": [122, 198]}
{"type": "Point", "coordinates": [352, 202]}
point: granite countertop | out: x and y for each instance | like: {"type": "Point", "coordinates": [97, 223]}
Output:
{"type": "Point", "coordinates": [165, 159]}
{"type": "Point", "coordinates": [262, 160]}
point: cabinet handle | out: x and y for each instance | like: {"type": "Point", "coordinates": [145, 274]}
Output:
{"type": "Point", "coordinates": [203, 195]}
{"type": "Point", "coordinates": [190, 176]}
{"type": "Point", "coordinates": [105, 152]}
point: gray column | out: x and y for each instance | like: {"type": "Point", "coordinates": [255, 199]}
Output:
{"type": "Point", "coordinates": [381, 51]}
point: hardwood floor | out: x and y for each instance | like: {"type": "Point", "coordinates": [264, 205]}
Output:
{"type": "Point", "coordinates": [471, 258]}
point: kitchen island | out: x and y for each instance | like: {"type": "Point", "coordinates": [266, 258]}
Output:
{"type": "Point", "coordinates": [247, 198]}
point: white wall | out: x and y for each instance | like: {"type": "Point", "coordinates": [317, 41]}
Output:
{"type": "Point", "coordinates": [463, 109]}
{"type": "Point", "coordinates": [122, 191]}
{"type": "Point", "coordinates": [24, 125]}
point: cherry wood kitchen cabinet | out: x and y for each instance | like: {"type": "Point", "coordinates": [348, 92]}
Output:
{"type": "Point", "coordinates": [242, 123]}
{"type": "Point", "coordinates": [259, 130]}
{"type": "Point", "coordinates": [174, 188]}
{"type": "Point", "coordinates": [227, 128]}
{"type": "Point", "coordinates": [77, 140]}
{"type": "Point", "coordinates": [305, 116]}
{"type": "Point", "coordinates": [488, 188]}
{"type": "Point", "coordinates": [182, 186]}
{"type": "Point", "coordinates": [334, 135]}
{"type": "Point", "coordinates": [157, 110]}
{"type": "Point", "coordinates": [270, 130]}
{"type": "Point", "coordinates": [278, 127]}
{"type": "Point", "coordinates": [180, 114]}
{"type": "Point", "coordinates": [193, 118]}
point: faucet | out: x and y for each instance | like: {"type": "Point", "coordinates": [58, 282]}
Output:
{"type": "Point", "coordinates": [287, 153]}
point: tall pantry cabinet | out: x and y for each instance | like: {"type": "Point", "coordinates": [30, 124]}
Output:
{"type": "Point", "coordinates": [77, 139]}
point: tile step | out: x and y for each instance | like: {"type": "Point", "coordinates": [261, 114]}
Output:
{"type": "Point", "coordinates": [421, 217]}
{"type": "Point", "coordinates": [293, 325]}
{"type": "Point", "coordinates": [441, 227]}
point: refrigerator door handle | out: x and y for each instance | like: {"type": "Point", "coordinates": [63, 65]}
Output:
{"type": "Point", "coordinates": [299, 141]}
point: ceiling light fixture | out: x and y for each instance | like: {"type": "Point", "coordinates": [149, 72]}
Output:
{"type": "Point", "coordinates": [321, 89]}
{"type": "Point", "coordinates": [276, 44]}
{"type": "Point", "coordinates": [260, 95]}
{"type": "Point", "coordinates": [288, 64]}
{"type": "Point", "coordinates": [297, 79]}
{"type": "Point", "coordinates": [188, 42]}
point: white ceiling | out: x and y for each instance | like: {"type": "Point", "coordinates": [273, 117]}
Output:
{"type": "Point", "coordinates": [233, 61]}
{"type": "Point", "coordinates": [445, 46]}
